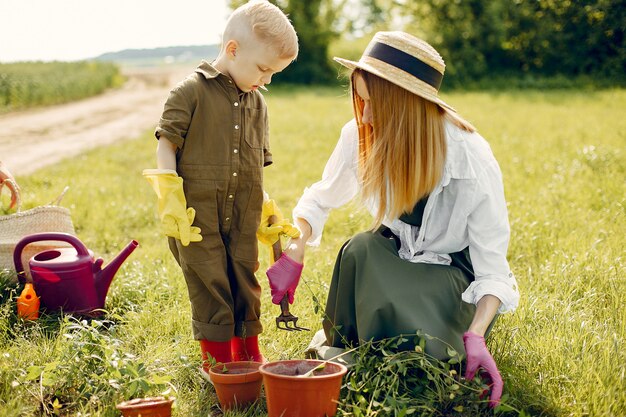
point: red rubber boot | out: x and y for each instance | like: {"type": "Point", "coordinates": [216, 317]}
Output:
{"type": "Point", "coordinates": [246, 349]}
{"type": "Point", "coordinates": [220, 351]}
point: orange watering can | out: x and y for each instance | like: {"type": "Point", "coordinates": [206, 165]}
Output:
{"type": "Point", "coordinates": [70, 279]}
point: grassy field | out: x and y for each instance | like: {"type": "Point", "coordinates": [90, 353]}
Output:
{"type": "Point", "coordinates": [29, 84]}
{"type": "Point", "coordinates": [561, 353]}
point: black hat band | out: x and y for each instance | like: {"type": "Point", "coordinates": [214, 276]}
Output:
{"type": "Point", "coordinates": [406, 63]}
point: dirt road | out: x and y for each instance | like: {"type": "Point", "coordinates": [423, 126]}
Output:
{"type": "Point", "coordinates": [35, 138]}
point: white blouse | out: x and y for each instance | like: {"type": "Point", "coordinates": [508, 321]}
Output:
{"type": "Point", "coordinates": [467, 208]}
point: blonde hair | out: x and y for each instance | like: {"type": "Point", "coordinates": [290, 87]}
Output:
{"type": "Point", "coordinates": [262, 21]}
{"type": "Point", "coordinates": [402, 153]}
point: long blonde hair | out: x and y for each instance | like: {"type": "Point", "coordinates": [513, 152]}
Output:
{"type": "Point", "coordinates": [402, 153]}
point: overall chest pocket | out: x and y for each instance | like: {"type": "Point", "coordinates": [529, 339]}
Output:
{"type": "Point", "coordinates": [255, 122]}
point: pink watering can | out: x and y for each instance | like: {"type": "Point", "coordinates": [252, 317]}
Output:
{"type": "Point", "coordinates": [69, 278]}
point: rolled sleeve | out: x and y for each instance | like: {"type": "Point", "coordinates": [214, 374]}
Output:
{"type": "Point", "coordinates": [497, 286]}
{"type": "Point", "coordinates": [177, 113]}
{"type": "Point", "coordinates": [337, 187]}
{"type": "Point", "coordinates": [489, 232]}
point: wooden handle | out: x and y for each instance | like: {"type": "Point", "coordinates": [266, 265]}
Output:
{"type": "Point", "coordinates": [284, 305]}
{"type": "Point", "coordinates": [276, 247]}
{"type": "Point", "coordinates": [278, 251]}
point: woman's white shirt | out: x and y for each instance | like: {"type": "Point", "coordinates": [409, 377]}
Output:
{"type": "Point", "coordinates": [467, 208]}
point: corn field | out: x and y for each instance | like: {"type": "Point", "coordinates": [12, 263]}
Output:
{"type": "Point", "coordinates": [29, 84]}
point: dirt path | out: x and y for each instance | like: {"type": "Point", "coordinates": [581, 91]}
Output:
{"type": "Point", "coordinates": [32, 139]}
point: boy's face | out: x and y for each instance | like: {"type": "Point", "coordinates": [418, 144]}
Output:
{"type": "Point", "coordinates": [254, 64]}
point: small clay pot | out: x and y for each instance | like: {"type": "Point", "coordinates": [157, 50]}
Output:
{"type": "Point", "coordinates": [290, 394]}
{"type": "Point", "coordinates": [238, 384]}
{"type": "Point", "coordinates": [147, 407]}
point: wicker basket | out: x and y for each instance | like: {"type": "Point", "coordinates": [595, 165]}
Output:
{"type": "Point", "coordinates": [13, 227]}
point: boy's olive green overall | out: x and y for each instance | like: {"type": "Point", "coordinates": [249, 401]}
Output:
{"type": "Point", "coordinates": [222, 140]}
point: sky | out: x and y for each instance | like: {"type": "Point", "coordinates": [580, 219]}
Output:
{"type": "Point", "coordinates": [68, 30]}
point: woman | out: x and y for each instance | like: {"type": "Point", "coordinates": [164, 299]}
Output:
{"type": "Point", "coordinates": [435, 259]}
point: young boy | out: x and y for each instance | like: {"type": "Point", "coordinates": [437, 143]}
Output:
{"type": "Point", "coordinates": [212, 146]}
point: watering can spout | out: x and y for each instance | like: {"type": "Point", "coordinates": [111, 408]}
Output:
{"type": "Point", "coordinates": [105, 276]}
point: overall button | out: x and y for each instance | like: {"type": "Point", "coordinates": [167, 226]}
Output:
{"type": "Point", "coordinates": [236, 127]}
{"type": "Point", "coordinates": [227, 218]}
{"type": "Point", "coordinates": [234, 174]}
{"type": "Point", "coordinates": [230, 196]}
{"type": "Point", "coordinates": [235, 151]}
{"type": "Point", "coordinates": [236, 104]}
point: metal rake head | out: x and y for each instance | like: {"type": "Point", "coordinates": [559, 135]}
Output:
{"type": "Point", "coordinates": [286, 317]}
{"type": "Point", "coordinates": [289, 323]}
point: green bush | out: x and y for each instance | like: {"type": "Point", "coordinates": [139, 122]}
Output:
{"type": "Point", "coordinates": [480, 38]}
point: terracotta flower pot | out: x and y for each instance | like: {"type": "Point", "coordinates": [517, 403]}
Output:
{"type": "Point", "coordinates": [147, 407]}
{"type": "Point", "coordinates": [238, 384]}
{"type": "Point", "coordinates": [289, 393]}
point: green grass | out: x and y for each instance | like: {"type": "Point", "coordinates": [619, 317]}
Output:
{"type": "Point", "coordinates": [561, 353]}
{"type": "Point", "coordinates": [30, 84]}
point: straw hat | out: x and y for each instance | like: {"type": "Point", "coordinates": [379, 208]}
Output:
{"type": "Point", "coordinates": [406, 61]}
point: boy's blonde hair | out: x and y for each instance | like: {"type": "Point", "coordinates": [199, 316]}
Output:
{"type": "Point", "coordinates": [402, 154]}
{"type": "Point", "coordinates": [262, 21]}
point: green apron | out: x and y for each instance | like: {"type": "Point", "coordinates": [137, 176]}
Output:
{"type": "Point", "coordinates": [374, 294]}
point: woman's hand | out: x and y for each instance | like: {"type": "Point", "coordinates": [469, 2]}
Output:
{"type": "Point", "coordinates": [295, 248]}
{"type": "Point", "coordinates": [285, 274]}
{"type": "Point", "coordinates": [478, 356]}
{"type": "Point", "coordinates": [5, 174]}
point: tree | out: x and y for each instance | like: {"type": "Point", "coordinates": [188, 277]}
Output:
{"type": "Point", "coordinates": [479, 38]}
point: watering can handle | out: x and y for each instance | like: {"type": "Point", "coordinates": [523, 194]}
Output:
{"type": "Point", "coordinates": [36, 237]}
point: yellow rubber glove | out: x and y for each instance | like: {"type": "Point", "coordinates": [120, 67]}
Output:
{"type": "Point", "coordinates": [176, 218]}
{"type": "Point", "coordinates": [269, 234]}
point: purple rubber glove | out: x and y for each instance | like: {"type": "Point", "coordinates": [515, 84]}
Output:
{"type": "Point", "coordinates": [284, 276]}
{"type": "Point", "coordinates": [479, 357]}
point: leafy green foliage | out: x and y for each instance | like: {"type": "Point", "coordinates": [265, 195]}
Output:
{"type": "Point", "coordinates": [91, 367]}
{"type": "Point", "coordinates": [313, 21]}
{"type": "Point", "coordinates": [386, 381]}
{"type": "Point", "coordinates": [480, 39]}
{"type": "Point", "coordinates": [486, 44]}
{"type": "Point", "coordinates": [28, 84]}
{"type": "Point", "coordinates": [86, 367]}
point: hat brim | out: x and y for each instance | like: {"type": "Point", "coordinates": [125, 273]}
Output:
{"type": "Point", "coordinates": [352, 65]}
